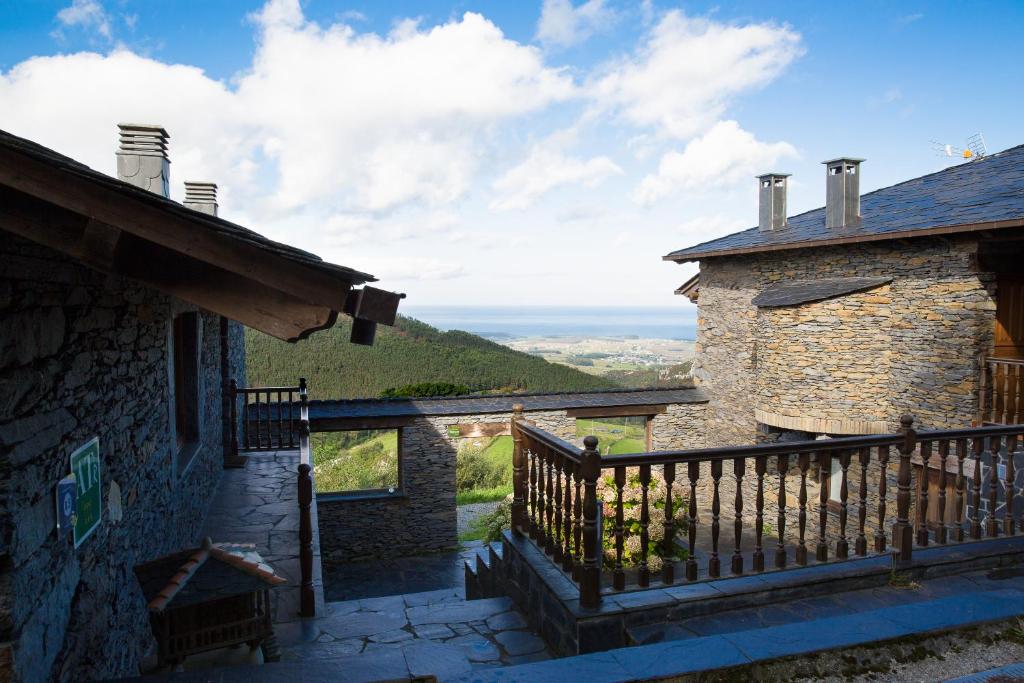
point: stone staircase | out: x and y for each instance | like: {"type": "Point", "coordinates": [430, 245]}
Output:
{"type": "Point", "coordinates": [485, 573]}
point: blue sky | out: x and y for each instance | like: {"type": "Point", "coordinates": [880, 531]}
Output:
{"type": "Point", "coordinates": [513, 152]}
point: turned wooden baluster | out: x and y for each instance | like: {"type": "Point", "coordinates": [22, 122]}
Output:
{"type": "Point", "coordinates": [760, 467]}
{"type": "Point", "coordinates": [577, 530]}
{"type": "Point", "coordinates": [922, 486]}
{"type": "Point", "coordinates": [861, 546]}
{"type": "Point", "coordinates": [824, 472]}
{"type": "Point", "coordinates": [618, 575]}
{"type": "Point", "coordinates": [903, 532]}
{"type": "Point", "coordinates": [715, 564]}
{"type": "Point", "coordinates": [804, 462]}
{"type": "Point", "coordinates": [782, 465]}
{"type": "Point", "coordinates": [245, 419]}
{"type": "Point", "coordinates": [280, 421]}
{"type": "Point", "coordinates": [693, 470]}
{"type": "Point", "coordinates": [958, 502]}
{"type": "Point", "coordinates": [556, 475]}
{"type": "Point", "coordinates": [940, 503]}
{"type": "Point", "coordinates": [738, 467]}
{"type": "Point", "coordinates": [519, 485]}
{"type": "Point", "coordinates": [978, 448]}
{"type": "Point", "coordinates": [567, 553]}
{"type": "Point", "coordinates": [549, 503]}
{"type": "Point", "coordinates": [1010, 525]}
{"type": "Point", "coordinates": [992, 523]}
{"type": "Point", "coordinates": [644, 573]}
{"type": "Point", "coordinates": [259, 419]}
{"type": "Point", "coordinates": [1006, 403]}
{"type": "Point", "coordinates": [668, 570]}
{"type": "Point", "coordinates": [883, 482]}
{"type": "Point", "coordinates": [843, 545]}
{"type": "Point", "coordinates": [590, 572]}
{"type": "Point", "coordinates": [534, 517]}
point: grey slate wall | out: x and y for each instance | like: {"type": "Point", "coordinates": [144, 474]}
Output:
{"type": "Point", "coordinates": [423, 518]}
{"type": "Point", "coordinates": [84, 354]}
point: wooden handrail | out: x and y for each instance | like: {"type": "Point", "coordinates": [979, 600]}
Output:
{"type": "Point", "coordinates": [270, 421]}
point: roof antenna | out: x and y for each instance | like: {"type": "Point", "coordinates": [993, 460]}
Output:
{"type": "Point", "coordinates": [974, 150]}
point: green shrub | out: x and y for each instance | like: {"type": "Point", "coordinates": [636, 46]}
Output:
{"type": "Point", "coordinates": [497, 521]}
{"type": "Point", "coordinates": [474, 470]}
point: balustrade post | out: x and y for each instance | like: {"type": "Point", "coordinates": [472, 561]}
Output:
{"type": "Point", "coordinates": [590, 573]}
{"type": "Point", "coordinates": [982, 390]}
{"type": "Point", "coordinates": [518, 473]}
{"type": "Point", "coordinates": [902, 530]}
{"type": "Point", "coordinates": [307, 599]}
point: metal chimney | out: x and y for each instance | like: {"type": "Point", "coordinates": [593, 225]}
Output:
{"type": "Point", "coordinates": [771, 201]}
{"type": "Point", "coordinates": [842, 192]}
{"type": "Point", "coordinates": [142, 158]}
{"type": "Point", "coordinates": [201, 197]}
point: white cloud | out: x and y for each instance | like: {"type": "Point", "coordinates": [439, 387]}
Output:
{"type": "Point", "coordinates": [704, 228]}
{"type": "Point", "coordinates": [689, 69]}
{"type": "Point", "coordinates": [725, 155]}
{"type": "Point", "coordinates": [543, 170]}
{"type": "Point", "coordinates": [414, 269]}
{"type": "Point", "coordinates": [88, 15]}
{"type": "Point", "coordinates": [563, 25]}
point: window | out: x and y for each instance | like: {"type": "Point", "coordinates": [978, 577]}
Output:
{"type": "Point", "coordinates": [364, 460]}
{"type": "Point", "coordinates": [185, 378]}
{"type": "Point", "coordinates": [616, 435]}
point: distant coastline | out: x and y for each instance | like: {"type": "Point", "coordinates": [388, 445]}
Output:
{"type": "Point", "coordinates": [508, 323]}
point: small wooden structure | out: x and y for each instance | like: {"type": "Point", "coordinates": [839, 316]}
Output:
{"type": "Point", "coordinates": [206, 599]}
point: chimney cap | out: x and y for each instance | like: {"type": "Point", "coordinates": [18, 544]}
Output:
{"type": "Point", "coordinates": [143, 139]}
{"type": "Point", "coordinates": [774, 174]}
{"type": "Point", "coordinates": [854, 160]}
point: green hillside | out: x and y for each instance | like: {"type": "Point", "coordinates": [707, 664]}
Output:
{"type": "Point", "coordinates": [408, 353]}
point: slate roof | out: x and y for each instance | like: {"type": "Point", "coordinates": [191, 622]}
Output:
{"type": "Point", "coordinates": [212, 223]}
{"type": "Point", "coordinates": [804, 291]}
{"type": "Point", "coordinates": [986, 191]}
{"type": "Point", "coordinates": [468, 405]}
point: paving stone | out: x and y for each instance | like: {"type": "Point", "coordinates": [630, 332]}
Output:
{"type": "Point", "coordinates": [433, 631]}
{"type": "Point", "coordinates": [361, 624]}
{"type": "Point", "coordinates": [461, 629]}
{"type": "Point", "coordinates": [506, 621]}
{"type": "Point", "coordinates": [477, 648]}
{"type": "Point", "coordinates": [453, 612]}
{"type": "Point", "coordinates": [432, 597]}
{"type": "Point", "coordinates": [435, 659]}
{"type": "Point", "coordinates": [390, 603]}
{"type": "Point", "coordinates": [396, 636]}
{"type": "Point", "coordinates": [519, 642]}
{"type": "Point", "coordinates": [542, 656]}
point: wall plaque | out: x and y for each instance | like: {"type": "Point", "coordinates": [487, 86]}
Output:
{"type": "Point", "coordinates": [85, 465]}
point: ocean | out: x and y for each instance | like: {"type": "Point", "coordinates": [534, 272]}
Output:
{"type": "Point", "coordinates": [505, 322]}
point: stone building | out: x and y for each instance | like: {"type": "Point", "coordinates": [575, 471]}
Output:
{"type": "Point", "coordinates": [121, 326]}
{"type": "Point", "coordinates": [838, 320]}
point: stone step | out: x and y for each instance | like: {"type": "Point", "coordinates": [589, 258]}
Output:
{"type": "Point", "coordinates": [744, 653]}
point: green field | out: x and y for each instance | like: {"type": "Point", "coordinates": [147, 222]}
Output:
{"type": "Point", "coordinates": [355, 460]}
{"type": "Point", "coordinates": [615, 435]}
{"type": "Point", "coordinates": [484, 472]}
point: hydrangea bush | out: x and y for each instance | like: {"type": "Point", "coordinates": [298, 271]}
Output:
{"type": "Point", "coordinates": [632, 497]}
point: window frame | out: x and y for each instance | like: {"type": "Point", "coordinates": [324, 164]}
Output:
{"type": "Point", "coordinates": [185, 342]}
{"type": "Point", "coordinates": [368, 494]}
{"type": "Point", "coordinates": [648, 426]}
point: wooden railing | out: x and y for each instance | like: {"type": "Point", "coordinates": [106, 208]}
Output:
{"type": "Point", "coordinates": [556, 484]}
{"type": "Point", "coordinates": [270, 416]}
{"type": "Point", "coordinates": [1001, 395]}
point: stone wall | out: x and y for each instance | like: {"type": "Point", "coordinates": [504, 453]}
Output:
{"type": "Point", "coordinates": [910, 346]}
{"type": "Point", "coordinates": [84, 354]}
{"type": "Point", "coordinates": [421, 516]}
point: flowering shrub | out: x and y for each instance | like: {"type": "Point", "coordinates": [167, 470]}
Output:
{"type": "Point", "coordinates": [632, 497]}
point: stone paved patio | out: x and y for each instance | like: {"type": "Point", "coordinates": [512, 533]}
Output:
{"type": "Point", "coordinates": [259, 504]}
{"type": "Point", "coordinates": [433, 633]}
{"type": "Point", "coordinates": [397, 576]}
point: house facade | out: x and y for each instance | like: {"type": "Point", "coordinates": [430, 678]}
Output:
{"type": "Point", "coordinates": [122, 327]}
{"type": "Point", "coordinates": [839, 320]}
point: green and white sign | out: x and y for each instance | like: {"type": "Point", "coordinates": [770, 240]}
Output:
{"type": "Point", "coordinates": [85, 465]}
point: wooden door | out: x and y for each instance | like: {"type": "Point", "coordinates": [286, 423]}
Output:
{"type": "Point", "coordinates": [1009, 341]}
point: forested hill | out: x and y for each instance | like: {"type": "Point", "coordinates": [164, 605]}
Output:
{"type": "Point", "coordinates": [408, 353]}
